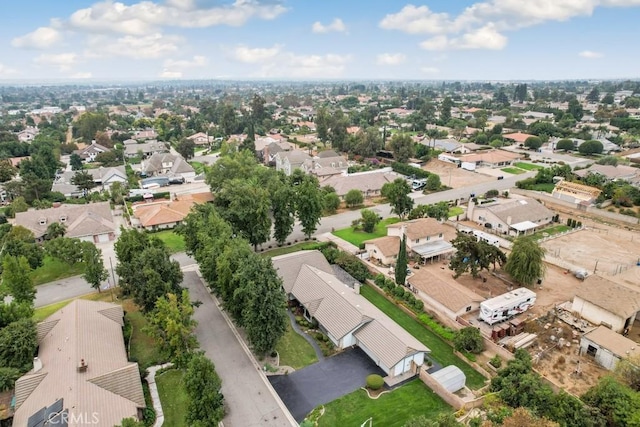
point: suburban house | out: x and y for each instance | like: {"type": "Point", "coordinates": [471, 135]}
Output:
{"type": "Point", "coordinates": [81, 372]}
{"type": "Point", "coordinates": [610, 172]}
{"type": "Point", "coordinates": [492, 158]}
{"type": "Point", "coordinates": [369, 183]}
{"type": "Point", "coordinates": [89, 153]}
{"type": "Point", "coordinates": [132, 148]}
{"type": "Point", "coordinates": [326, 163]}
{"type": "Point", "coordinates": [92, 222]}
{"type": "Point", "coordinates": [425, 238]}
{"type": "Point", "coordinates": [145, 134]}
{"type": "Point", "coordinates": [103, 178]}
{"type": "Point", "coordinates": [167, 214]}
{"type": "Point", "coordinates": [450, 297]}
{"type": "Point", "coordinates": [28, 133]}
{"type": "Point", "coordinates": [171, 165]}
{"type": "Point", "coordinates": [513, 216]}
{"type": "Point", "coordinates": [347, 317]}
{"type": "Point", "coordinates": [603, 302]}
{"type": "Point", "coordinates": [607, 347]}
{"type": "Point", "coordinates": [200, 138]}
{"type": "Point", "coordinates": [517, 137]}
{"type": "Point", "coordinates": [288, 161]}
{"type": "Point", "coordinates": [575, 193]}
{"type": "Point", "coordinates": [268, 153]}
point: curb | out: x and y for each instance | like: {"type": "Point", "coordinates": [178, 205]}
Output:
{"type": "Point", "coordinates": [153, 391]}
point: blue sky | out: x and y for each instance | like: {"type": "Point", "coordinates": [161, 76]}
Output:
{"type": "Point", "coordinates": [320, 39]}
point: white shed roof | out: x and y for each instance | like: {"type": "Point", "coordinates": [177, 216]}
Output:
{"type": "Point", "coordinates": [451, 377]}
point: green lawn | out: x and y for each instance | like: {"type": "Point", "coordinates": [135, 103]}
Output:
{"type": "Point", "coordinates": [143, 348]}
{"type": "Point", "coordinates": [391, 409]}
{"type": "Point", "coordinates": [357, 237]}
{"type": "Point", "coordinates": [514, 171]}
{"type": "Point", "coordinates": [441, 351]}
{"type": "Point", "coordinates": [304, 246]}
{"type": "Point", "coordinates": [173, 241]}
{"type": "Point", "coordinates": [556, 229]}
{"type": "Point", "coordinates": [455, 211]}
{"type": "Point", "coordinates": [547, 187]}
{"type": "Point", "coordinates": [173, 397]}
{"type": "Point", "coordinates": [294, 350]}
{"type": "Point", "coordinates": [197, 166]}
{"type": "Point", "coordinates": [528, 166]}
{"type": "Point", "coordinates": [53, 269]}
{"type": "Point", "coordinates": [42, 313]}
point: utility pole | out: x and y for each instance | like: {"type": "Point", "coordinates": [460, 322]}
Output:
{"type": "Point", "coordinates": [113, 275]}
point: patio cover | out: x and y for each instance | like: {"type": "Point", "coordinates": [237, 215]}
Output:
{"type": "Point", "coordinates": [431, 249]}
{"type": "Point", "coordinates": [524, 226]}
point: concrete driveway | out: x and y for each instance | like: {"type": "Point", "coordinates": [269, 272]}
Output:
{"type": "Point", "coordinates": [324, 381]}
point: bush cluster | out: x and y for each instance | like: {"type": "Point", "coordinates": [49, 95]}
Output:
{"type": "Point", "coordinates": [375, 382]}
{"type": "Point", "coordinates": [435, 326]}
{"type": "Point", "coordinates": [405, 169]}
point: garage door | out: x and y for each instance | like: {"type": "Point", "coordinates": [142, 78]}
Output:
{"type": "Point", "coordinates": [103, 238]}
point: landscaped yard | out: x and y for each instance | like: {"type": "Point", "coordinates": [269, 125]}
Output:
{"type": "Point", "coordinates": [173, 397]}
{"type": "Point", "coordinates": [143, 348]}
{"type": "Point", "coordinates": [440, 350]}
{"type": "Point", "coordinates": [198, 167]}
{"type": "Point", "coordinates": [547, 187]}
{"type": "Point", "coordinates": [304, 246]}
{"type": "Point", "coordinates": [173, 241]}
{"type": "Point", "coordinates": [294, 350]}
{"type": "Point", "coordinates": [53, 269]}
{"type": "Point", "coordinates": [514, 171]}
{"type": "Point", "coordinates": [550, 231]}
{"type": "Point", "coordinates": [391, 409]}
{"type": "Point", "coordinates": [357, 237]}
{"type": "Point", "coordinates": [528, 166]}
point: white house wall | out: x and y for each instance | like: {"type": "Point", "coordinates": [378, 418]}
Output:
{"type": "Point", "coordinates": [603, 357]}
{"type": "Point", "coordinates": [375, 359]}
{"type": "Point", "coordinates": [597, 315]}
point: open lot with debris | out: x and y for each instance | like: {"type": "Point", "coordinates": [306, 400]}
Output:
{"type": "Point", "coordinates": [453, 176]}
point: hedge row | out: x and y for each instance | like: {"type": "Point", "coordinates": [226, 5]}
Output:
{"type": "Point", "coordinates": [408, 170]}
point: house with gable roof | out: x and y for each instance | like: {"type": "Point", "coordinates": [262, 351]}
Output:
{"type": "Point", "coordinates": [513, 216]}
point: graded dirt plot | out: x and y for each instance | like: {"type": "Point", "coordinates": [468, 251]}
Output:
{"type": "Point", "coordinates": [453, 176]}
{"type": "Point", "coordinates": [607, 250]}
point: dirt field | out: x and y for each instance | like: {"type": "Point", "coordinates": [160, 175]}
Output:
{"type": "Point", "coordinates": [604, 249]}
{"type": "Point", "coordinates": [454, 177]}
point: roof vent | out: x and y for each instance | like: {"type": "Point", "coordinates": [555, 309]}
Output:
{"type": "Point", "coordinates": [37, 364]}
{"type": "Point", "coordinates": [82, 367]}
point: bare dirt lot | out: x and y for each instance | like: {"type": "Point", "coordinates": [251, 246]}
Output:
{"type": "Point", "coordinates": [606, 250]}
{"type": "Point", "coordinates": [453, 176]}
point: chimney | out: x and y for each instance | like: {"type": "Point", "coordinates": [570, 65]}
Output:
{"type": "Point", "coordinates": [356, 287]}
{"type": "Point", "coordinates": [82, 367]}
{"type": "Point", "coordinates": [37, 364]}
{"type": "Point", "coordinates": [509, 220]}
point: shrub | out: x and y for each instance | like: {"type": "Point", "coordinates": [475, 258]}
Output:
{"type": "Point", "coordinates": [496, 361]}
{"type": "Point", "coordinates": [379, 280]}
{"type": "Point", "coordinates": [591, 147]}
{"type": "Point", "coordinates": [375, 382]}
{"type": "Point", "coordinates": [354, 198]}
{"type": "Point", "coordinates": [405, 169]}
{"type": "Point", "coordinates": [491, 193]}
{"type": "Point", "coordinates": [353, 266]}
{"type": "Point", "coordinates": [469, 339]}
{"type": "Point", "coordinates": [398, 292]}
{"type": "Point", "coordinates": [565, 144]}
{"type": "Point", "coordinates": [442, 331]}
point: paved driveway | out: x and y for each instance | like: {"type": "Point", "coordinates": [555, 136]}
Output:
{"type": "Point", "coordinates": [324, 381]}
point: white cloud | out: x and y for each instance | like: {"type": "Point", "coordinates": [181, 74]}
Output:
{"type": "Point", "coordinates": [63, 61]}
{"type": "Point", "coordinates": [150, 46]}
{"type": "Point", "coordinates": [481, 25]}
{"type": "Point", "coordinates": [41, 38]}
{"type": "Point", "coordinates": [391, 58]}
{"type": "Point", "coordinates": [250, 55]}
{"type": "Point", "coordinates": [166, 74]}
{"type": "Point", "coordinates": [430, 70]}
{"type": "Point", "coordinates": [82, 75]}
{"type": "Point", "coordinates": [335, 26]}
{"type": "Point", "coordinates": [589, 54]}
{"type": "Point", "coordinates": [181, 64]}
{"type": "Point", "coordinates": [483, 38]}
{"type": "Point", "coordinates": [6, 71]}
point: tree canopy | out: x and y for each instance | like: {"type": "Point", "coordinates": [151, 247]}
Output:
{"type": "Point", "coordinates": [526, 261]}
{"type": "Point", "coordinates": [397, 193]}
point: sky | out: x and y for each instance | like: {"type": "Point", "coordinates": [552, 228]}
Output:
{"type": "Point", "coordinates": [43, 40]}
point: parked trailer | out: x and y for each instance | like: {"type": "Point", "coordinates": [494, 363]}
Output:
{"type": "Point", "coordinates": [507, 305]}
{"type": "Point", "coordinates": [482, 236]}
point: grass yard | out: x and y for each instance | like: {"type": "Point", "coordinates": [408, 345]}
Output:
{"type": "Point", "coordinates": [42, 313]}
{"type": "Point", "coordinates": [455, 211]}
{"type": "Point", "coordinates": [173, 241]}
{"type": "Point", "coordinates": [441, 351]}
{"type": "Point", "coordinates": [546, 187]}
{"type": "Point", "coordinates": [198, 167]}
{"type": "Point", "coordinates": [556, 229]}
{"type": "Point", "coordinates": [513, 171]}
{"type": "Point", "coordinates": [143, 348]}
{"type": "Point", "coordinates": [173, 396]}
{"type": "Point", "coordinates": [391, 409]}
{"type": "Point", "coordinates": [304, 246]}
{"type": "Point", "coordinates": [528, 166]}
{"type": "Point", "coordinates": [357, 237]}
{"type": "Point", "coordinates": [294, 350]}
{"type": "Point", "coordinates": [53, 269]}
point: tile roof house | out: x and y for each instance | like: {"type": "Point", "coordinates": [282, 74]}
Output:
{"type": "Point", "coordinates": [145, 134]}
{"type": "Point", "coordinates": [425, 238]}
{"type": "Point", "coordinates": [450, 297]}
{"type": "Point", "coordinates": [167, 164]}
{"type": "Point", "coordinates": [326, 163]}
{"type": "Point", "coordinates": [518, 137]}
{"type": "Point", "coordinates": [103, 177]}
{"type": "Point", "coordinates": [608, 347]}
{"type": "Point", "coordinates": [83, 361]}
{"type": "Point", "coordinates": [89, 153]}
{"type": "Point", "coordinates": [603, 302]}
{"type": "Point", "coordinates": [492, 158]}
{"type": "Point", "coordinates": [610, 172]}
{"type": "Point", "coordinates": [92, 222]}
{"type": "Point", "coordinates": [513, 216]}
{"type": "Point", "coordinates": [200, 138]}
{"type": "Point", "coordinates": [368, 183]}
{"type": "Point", "coordinates": [346, 316]}
{"type": "Point", "coordinates": [132, 148]}
{"type": "Point", "coordinates": [168, 214]}
{"type": "Point", "coordinates": [288, 161]}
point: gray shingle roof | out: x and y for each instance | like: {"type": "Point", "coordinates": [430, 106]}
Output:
{"type": "Point", "coordinates": [81, 220]}
{"type": "Point", "coordinates": [520, 210]}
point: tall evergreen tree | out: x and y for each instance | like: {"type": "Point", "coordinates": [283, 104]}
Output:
{"type": "Point", "coordinates": [401, 262]}
{"type": "Point", "coordinates": [202, 384]}
{"type": "Point", "coordinates": [16, 278]}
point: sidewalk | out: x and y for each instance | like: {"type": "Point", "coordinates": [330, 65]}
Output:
{"type": "Point", "coordinates": [153, 390]}
{"type": "Point", "coordinates": [342, 244]}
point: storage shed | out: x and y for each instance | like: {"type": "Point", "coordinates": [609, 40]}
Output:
{"type": "Point", "coordinates": [607, 347]}
{"type": "Point", "coordinates": [451, 378]}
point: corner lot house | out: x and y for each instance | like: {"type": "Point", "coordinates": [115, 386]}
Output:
{"type": "Point", "coordinates": [512, 216]}
{"type": "Point", "coordinates": [603, 302]}
{"type": "Point", "coordinates": [93, 222]}
{"type": "Point", "coordinates": [83, 362]}
{"type": "Point", "coordinates": [347, 317]}
{"type": "Point", "coordinates": [607, 347]}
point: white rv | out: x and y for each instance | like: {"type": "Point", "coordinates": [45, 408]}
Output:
{"type": "Point", "coordinates": [507, 305]}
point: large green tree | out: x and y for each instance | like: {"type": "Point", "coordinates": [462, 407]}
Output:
{"type": "Point", "coordinates": [76, 162]}
{"type": "Point", "coordinates": [525, 263]}
{"type": "Point", "coordinates": [473, 255]}
{"type": "Point", "coordinates": [397, 193]}
{"type": "Point", "coordinates": [283, 210]}
{"type": "Point", "coordinates": [203, 386]}
{"type": "Point", "coordinates": [369, 219]}
{"type": "Point", "coordinates": [403, 147]}
{"type": "Point", "coordinates": [171, 324]}
{"type": "Point", "coordinates": [17, 279]}
{"type": "Point", "coordinates": [94, 271]}
{"type": "Point", "coordinates": [18, 343]}
{"type": "Point", "coordinates": [309, 204]}
{"type": "Point", "coordinates": [84, 181]}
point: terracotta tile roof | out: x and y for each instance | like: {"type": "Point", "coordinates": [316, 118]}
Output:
{"type": "Point", "coordinates": [110, 386]}
{"type": "Point", "coordinates": [160, 213]}
{"type": "Point", "coordinates": [518, 137]}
